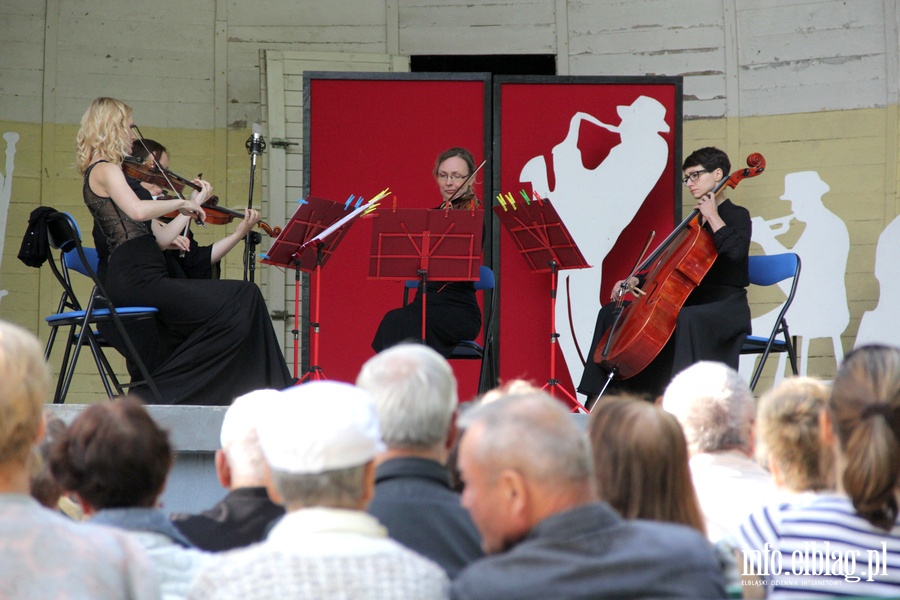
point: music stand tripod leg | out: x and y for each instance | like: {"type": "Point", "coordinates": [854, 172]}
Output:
{"type": "Point", "coordinates": [553, 382]}
{"type": "Point", "coordinates": [315, 372]}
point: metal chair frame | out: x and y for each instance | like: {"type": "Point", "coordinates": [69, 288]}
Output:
{"type": "Point", "coordinates": [470, 349]}
{"type": "Point", "coordinates": [64, 236]}
{"type": "Point", "coordinates": [769, 270]}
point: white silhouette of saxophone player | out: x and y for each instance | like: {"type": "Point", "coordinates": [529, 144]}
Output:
{"type": "Point", "coordinates": [597, 204]}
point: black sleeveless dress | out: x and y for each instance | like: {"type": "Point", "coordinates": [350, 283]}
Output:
{"type": "Point", "coordinates": [216, 341]}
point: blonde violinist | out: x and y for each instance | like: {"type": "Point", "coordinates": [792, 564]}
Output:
{"type": "Point", "coordinates": [219, 339]}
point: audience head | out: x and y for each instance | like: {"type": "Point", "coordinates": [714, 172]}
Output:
{"type": "Point", "coordinates": [864, 414]}
{"type": "Point", "coordinates": [240, 461]}
{"type": "Point", "coordinates": [44, 487]}
{"type": "Point", "coordinates": [714, 406]}
{"type": "Point", "coordinates": [319, 443]}
{"type": "Point", "coordinates": [789, 436]}
{"type": "Point", "coordinates": [641, 462]}
{"type": "Point", "coordinates": [113, 455]}
{"type": "Point", "coordinates": [24, 383]}
{"type": "Point", "coordinates": [522, 459]}
{"type": "Point", "coordinates": [415, 396]}
{"type": "Point", "coordinates": [511, 387]}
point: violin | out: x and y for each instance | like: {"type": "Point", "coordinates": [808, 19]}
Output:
{"type": "Point", "coordinates": [674, 269]}
{"type": "Point", "coordinates": [164, 178]}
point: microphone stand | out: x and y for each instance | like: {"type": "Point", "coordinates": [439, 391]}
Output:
{"type": "Point", "coordinates": [255, 145]}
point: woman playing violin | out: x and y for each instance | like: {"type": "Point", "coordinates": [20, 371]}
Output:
{"type": "Point", "coordinates": [453, 314]}
{"type": "Point", "coordinates": [715, 319]}
{"type": "Point", "coordinates": [220, 340]}
{"type": "Point", "coordinates": [188, 259]}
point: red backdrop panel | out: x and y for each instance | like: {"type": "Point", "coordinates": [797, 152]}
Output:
{"type": "Point", "coordinates": [534, 116]}
{"type": "Point", "coordinates": [365, 135]}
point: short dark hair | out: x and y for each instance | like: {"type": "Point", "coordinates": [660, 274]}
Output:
{"type": "Point", "coordinates": [709, 158]}
{"type": "Point", "coordinates": [142, 149]}
{"type": "Point", "coordinates": [113, 456]}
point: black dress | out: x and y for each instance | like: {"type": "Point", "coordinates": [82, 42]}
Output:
{"type": "Point", "coordinates": [712, 324]}
{"type": "Point", "coordinates": [452, 316]}
{"type": "Point", "coordinates": [216, 341]}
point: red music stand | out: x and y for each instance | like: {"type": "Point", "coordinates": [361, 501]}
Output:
{"type": "Point", "coordinates": [305, 244]}
{"type": "Point", "coordinates": [418, 243]}
{"type": "Point", "coordinates": [546, 245]}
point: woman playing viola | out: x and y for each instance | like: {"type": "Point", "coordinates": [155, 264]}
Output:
{"type": "Point", "coordinates": [715, 319]}
{"type": "Point", "coordinates": [219, 340]}
{"type": "Point", "coordinates": [453, 314]}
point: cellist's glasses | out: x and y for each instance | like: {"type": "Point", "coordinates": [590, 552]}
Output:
{"type": "Point", "coordinates": [693, 176]}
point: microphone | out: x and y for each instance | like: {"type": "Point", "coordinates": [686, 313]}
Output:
{"type": "Point", "coordinates": [256, 145]}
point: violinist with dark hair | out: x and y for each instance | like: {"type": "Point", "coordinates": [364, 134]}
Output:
{"type": "Point", "coordinates": [715, 319]}
{"type": "Point", "coordinates": [185, 258]}
{"type": "Point", "coordinates": [215, 340]}
{"type": "Point", "coordinates": [453, 313]}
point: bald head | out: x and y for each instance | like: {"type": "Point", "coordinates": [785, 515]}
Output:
{"type": "Point", "coordinates": [534, 434]}
{"type": "Point", "coordinates": [522, 459]}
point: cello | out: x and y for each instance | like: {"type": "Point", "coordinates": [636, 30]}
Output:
{"type": "Point", "coordinates": [674, 269]}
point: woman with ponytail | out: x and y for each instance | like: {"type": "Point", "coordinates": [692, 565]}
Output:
{"type": "Point", "coordinates": [845, 542]}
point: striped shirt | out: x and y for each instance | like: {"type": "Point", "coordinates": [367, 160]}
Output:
{"type": "Point", "coordinates": [816, 545]}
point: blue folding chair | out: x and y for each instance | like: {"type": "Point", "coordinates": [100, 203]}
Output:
{"type": "Point", "coordinates": [470, 349]}
{"type": "Point", "coordinates": [769, 270]}
{"type": "Point", "coordinates": [64, 236]}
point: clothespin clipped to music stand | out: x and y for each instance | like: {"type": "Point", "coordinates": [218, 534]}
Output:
{"type": "Point", "coordinates": [511, 200]}
{"type": "Point", "coordinates": [527, 199]}
{"type": "Point", "coordinates": [501, 201]}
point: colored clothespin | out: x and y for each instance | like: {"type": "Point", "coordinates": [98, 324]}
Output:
{"type": "Point", "coordinates": [383, 193]}
{"type": "Point", "coordinates": [537, 197]}
{"type": "Point", "coordinates": [302, 201]}
{"type": "Point", "coordinates": [349, 200]}
{"type": "Point", "coordinates": [502, 202]}
{"type": "Point", "coordinates": [358, 202]}
{"type": "Point", "coordinates": [511, 200]}
{"type": "Point", "coordinates": [527, 199]}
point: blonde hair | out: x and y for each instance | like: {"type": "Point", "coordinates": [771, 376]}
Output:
{"type": "Point", "coordinates": [788, 430]}
{"type": "Point", "coordinates": [104, 133]}
{"type": "Point", "coordinates": [865, 416]}
{"type": "Point", "coordinates": [24, 383]}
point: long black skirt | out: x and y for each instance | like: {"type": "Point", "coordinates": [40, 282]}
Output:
{"type": "Point", "coordinates": [213, 340]}
{"type": "Point", "coordinates": [712, 330]}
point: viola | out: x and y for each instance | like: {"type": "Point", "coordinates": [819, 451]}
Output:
{"type": "Point", "coordinates": [219, 215]}
{"type": "Point", "coordinates": [674, 270]}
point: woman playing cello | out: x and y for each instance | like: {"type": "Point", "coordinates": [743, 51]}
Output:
{"type": "Point", "coordinates": [223, 343]}
{"type": "Point", "coordinates": [715, 319]}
